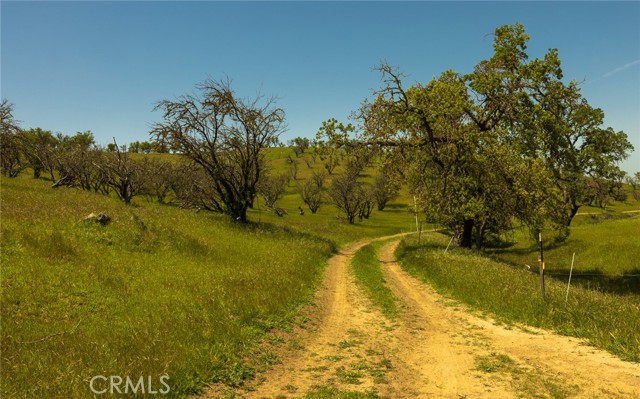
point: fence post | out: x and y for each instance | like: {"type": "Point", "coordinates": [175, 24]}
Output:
{"type": "Point", "coordinates": [570, 273]}
{"type": "Point", "coordinates": [541, 267]}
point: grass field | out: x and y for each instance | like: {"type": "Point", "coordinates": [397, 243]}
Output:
{"type": "Point", "coordinates": [395, 218]}
{"type": "Point", "coordinates": [512, 294]}
{"type": "Point", "coordinates": [159, 290]}
{"type": "Point", "coordinates": [607, 256]}
{"type": "Point", "coordinates": [166, 291]}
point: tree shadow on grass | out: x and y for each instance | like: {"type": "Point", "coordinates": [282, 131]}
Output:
{"type": "Point", "coordinates": [595, 279]}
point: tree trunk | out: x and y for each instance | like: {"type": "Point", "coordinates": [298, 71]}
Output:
{"type": "Point", "coordinates": [572, 213]}
{"type": "Point", "coordinates": [467, 233]}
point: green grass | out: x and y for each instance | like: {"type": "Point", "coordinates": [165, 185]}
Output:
{"type": "Point", "coordinates": [528, 382]}
{"type": "Point", "coordinates": [512, 294]}
{"type": "Point", "coordinates": [369, 276]}
{"type": "Point", "coordinates": [330, 392]}
{"type": "Point", "coordinates": [157, 291]}
{"type": "Point", "coordinates": [395, 218]}
{"type": "Point", "coordinates": [607, 256]}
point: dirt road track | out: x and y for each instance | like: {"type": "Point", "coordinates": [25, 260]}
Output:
{"type": "Point", "coordinates": [434, 349]}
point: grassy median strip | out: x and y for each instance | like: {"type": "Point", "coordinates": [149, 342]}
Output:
{"type": "Point", "coordinates": [512, 294]}
{"type": "Point", "coordinates": [369, 276]}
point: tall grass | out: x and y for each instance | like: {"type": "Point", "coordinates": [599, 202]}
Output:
{"type": "Point", "coordinates": [157, 291]}
{"type": "Point", "coordinates": [512, 294]}
{"type": "Point", "coordinates": [368, 274]}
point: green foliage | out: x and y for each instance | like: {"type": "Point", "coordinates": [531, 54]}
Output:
{"type": "Point", "coordinates": [509, 141]}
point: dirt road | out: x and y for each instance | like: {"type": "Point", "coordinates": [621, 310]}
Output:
{"type": "Point", "coordinates": [434, 349]}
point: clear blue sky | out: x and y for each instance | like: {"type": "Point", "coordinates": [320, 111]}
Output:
{"type": "Point", "coordinates": [101, 66]}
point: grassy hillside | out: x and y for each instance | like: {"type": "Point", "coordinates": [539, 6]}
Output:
{"type": "Point", "coordinates": [395, 218]}
{"type": "Point", "coordinates": [167, 291]}
{"type": "Point", "coordinates": [158, 290]}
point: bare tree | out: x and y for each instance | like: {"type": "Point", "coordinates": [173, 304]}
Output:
{"type": "Point", "coordinates": [309, 162]}
{"type": "Point", "coordinates": [272, 189]}
{"type": "Point", "coordinates": [348, 194]}
{"type": "Point", "coordinates": [368, 202]}
{"type": "Point", "coordinates": [193, 187]}
{"type": "Point", "coordinates": [225, 135]}
{"type": "Point", "coordinates": [384, 190]}
{"type": "Point", "coordinates": [319, 178]}
{"type": "Point", "coordinates": [311, 193]}
{"type": "Point", "coordinates": [162, 177]}
{"type": "Point", "coordinates": [293, 168]}
{"type": "Point", "coordinates": [126, 176]}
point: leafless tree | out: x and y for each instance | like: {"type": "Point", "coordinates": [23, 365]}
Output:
{"type": "Point", "coordinates": [348, 194]}
{"type": "Point", "coordinates": [309, 162]}
{"type": "Point", "coordinates": [384, 190]}
{"type": "Point", "coordinates": [319, 178]}
{"type": "Point", "coordinates": [125, 175]}
{"type": "Point", "coordinates": [311, 193]}
{"type": "Point", "coordinates": [272, 188]}
{"type": "Point", "coordinates": [368, 202]}
{"type": "Point", "coordinates": [224, 134]}
{"type": "Point", "coordinates": [162, 177]}
{"type": "Point", "coordinates": [193, 187]}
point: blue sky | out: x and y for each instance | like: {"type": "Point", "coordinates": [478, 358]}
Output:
{"type": "Point", "coordinates": [101, 66]}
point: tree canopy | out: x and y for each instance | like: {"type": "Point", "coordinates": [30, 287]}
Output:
{"type": "Point", "coordinates": [509, 141]}
{"type": "Point", "coordinates": [225, 135]}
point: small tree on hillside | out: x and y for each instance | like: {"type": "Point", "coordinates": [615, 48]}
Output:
{"type": "Point", "coordinates": [299, 145]}
{"type": "Point", "coordinates": [126, 176]}
{"type": "Point", "coordinates": [368, 202]}
{"type": "Point", "coordinates": [12, 160]}
{"type": "Point", "coordinates": [272, 188]}
{"type": "Point", "coordinates": [384, 190]}
{"type": "Point", "coordinates": [348, 195]}
{"type": "Point", "coordinates": [225, 135]}
{"type": "Point", "coordinates": [311, 193]}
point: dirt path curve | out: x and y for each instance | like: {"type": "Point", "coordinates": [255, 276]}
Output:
{"type": "Point", "coordinates": [346, 334]}
{"type": "Point", "coordinates": [535, 363]}
{"type": "Point", "coordinates": [432, 350]}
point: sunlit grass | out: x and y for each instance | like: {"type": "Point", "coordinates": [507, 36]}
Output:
{"type": "Point", "coordinates": [157, 291]}
{"type": "Point", "coordinates": [606, 254]}
{"type": "Point", "coordinates": [512, 294]}
{"type": "Point", "coordinates": [368, 274]}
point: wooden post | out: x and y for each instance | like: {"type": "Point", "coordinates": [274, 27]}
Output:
{"type": "Point", "coordinates": [415, 210]}
{"type": "Point", "coordinates": [541, 267]}
{"type": "Point", "coordinates": [566, 298]}
{"type": "Point", "coordinates": [450, 241]}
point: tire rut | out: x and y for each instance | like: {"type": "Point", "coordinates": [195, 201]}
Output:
{"type": "Point", "coordinates": [434, 349]}
{"type": "Point", "coordinates": [537, 363]}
